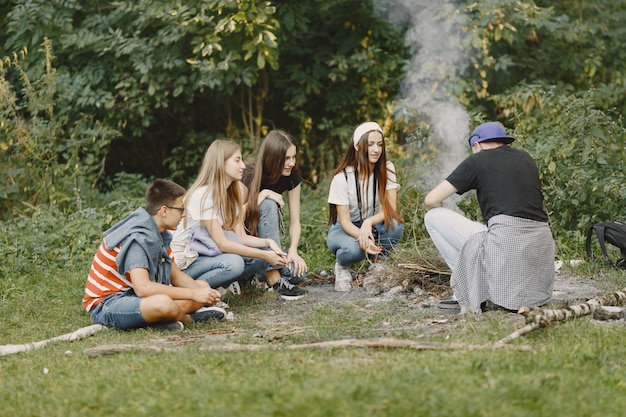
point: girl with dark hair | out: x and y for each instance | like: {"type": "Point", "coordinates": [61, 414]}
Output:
{"type": "Point", "coordinates": [267, 179]}
{"type": "Point", "coordinates": [362, 204]}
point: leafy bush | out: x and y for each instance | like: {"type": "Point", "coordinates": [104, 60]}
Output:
{"type": "Point", "coordinates": [581, 157]}
{"type": "Point", "coordinates": [45, 157]}
{"type": "Point", "coordinates": [49, 240]}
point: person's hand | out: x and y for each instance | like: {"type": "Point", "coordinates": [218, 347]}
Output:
{"type": "Point", "coordinates": [372, 249]}
{"type": "Point", "coordinates": [272, 195]}
{"type": "Point", "coordinates": [365, 237]}
{"type": "Point", "coordinates": [275, 257]}
{"type": "Point", "coordinates": [299, 266]}
{"type": "Point", "coordinates": [274, 246]}
{"type": "Point", "coordinates": [206, 295]}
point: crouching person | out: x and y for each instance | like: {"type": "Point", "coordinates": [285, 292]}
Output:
{"type": "Point", "coordinates": [509, 260]}
{"type": "Point", "coordinates": [133, 283]}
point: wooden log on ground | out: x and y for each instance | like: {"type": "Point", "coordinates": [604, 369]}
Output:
{"type": "Point", "coordinates": [75, 335]}
{"type": "Point", "coordinates": [541, 317]}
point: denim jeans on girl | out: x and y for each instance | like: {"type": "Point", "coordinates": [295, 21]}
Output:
{"type": "Point", "coordinates": [271, 227]}
{"type": "Point", "coordinates": [347, 249]}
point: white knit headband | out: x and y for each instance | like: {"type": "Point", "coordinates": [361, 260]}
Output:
{"type": "Point", "coordinates": [363, 129]}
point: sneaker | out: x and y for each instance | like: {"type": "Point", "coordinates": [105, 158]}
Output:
{"type": "Point", "coordinates": [343, 278]}
{"type": "Point", "coordinates": [288, 291]}
{"type": "Point", "coordinates": [449, 303]}
{"type": "Point", "coordinates": [489, 306]}
{"type": "Point", "coordinates": [207, 313]}
{"type": "Point", "coordinates": [232, 289]}
{"type": "Point", "coordinates": [170, 326]}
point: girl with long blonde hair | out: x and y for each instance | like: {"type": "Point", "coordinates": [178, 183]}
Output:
{"type": "Point", "coordinates": [215, 212]}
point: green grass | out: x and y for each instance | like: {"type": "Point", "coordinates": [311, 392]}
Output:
{"type": "Point", "coordinates": [576, 368]}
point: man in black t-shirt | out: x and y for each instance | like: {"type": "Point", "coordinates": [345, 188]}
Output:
{"type": "Point", "coordinates": [510, 260]}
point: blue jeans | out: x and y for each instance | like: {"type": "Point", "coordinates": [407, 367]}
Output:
{"type": "Point", "coordinates": [217, 271]}
{"type": "Point", "coordinates": [120, 311]}
{"type": "Point", "coordinates": [222, 270]}
{"type": "Point", "coordinates": [270, 227]}
{"type": "Point", "coordinates": [347, 249]}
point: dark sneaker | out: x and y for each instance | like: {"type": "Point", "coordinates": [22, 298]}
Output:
{"type": "Point", "coordinates": [489, 306]}
{"type": "Point", "coordinates": [172, 326]}
{"type": "Point", "coordinates": [449, 303]}
{"type": "Point", "coordinates": [208, 313]}
{"type": "Point", "coordinates": [288, 291]}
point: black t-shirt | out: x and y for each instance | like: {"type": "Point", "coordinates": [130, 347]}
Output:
{"type": "Point", "coordinates": [283, 184]}
{"type": "Point", "coordinates": [506, 181]}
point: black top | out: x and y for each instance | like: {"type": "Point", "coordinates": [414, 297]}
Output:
{"type": "Point", "coordinates": [506, 181]}
{"type": "Point", "coordinates": [283, 184]}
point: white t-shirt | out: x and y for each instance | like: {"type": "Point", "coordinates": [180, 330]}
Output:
{"type": "Point", "coordinates": [200, 208]}
{"type": "Point", "coordinates": [343, 192]}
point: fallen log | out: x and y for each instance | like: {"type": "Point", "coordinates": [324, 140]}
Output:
{"type": "Point", "coordinates": [541, 317]}
{"type": "Point", "coordinates": [390, 343]}
{"type": "Point", "coordinates": [75, 335]}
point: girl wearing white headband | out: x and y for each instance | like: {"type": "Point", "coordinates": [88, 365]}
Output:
{"type": "Point", "coordinates": [362, 204]}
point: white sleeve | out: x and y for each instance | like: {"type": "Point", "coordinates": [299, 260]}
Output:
{"type": "Point", "coordinates": [338, 193]}
{"type": "Point", "coordinates": [200, 205]}
{"type": "Point", "coordinates": [392, 180]}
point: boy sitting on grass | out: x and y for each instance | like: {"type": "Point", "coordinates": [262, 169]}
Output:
{"type": "Point", "coordinates": [133, 282]}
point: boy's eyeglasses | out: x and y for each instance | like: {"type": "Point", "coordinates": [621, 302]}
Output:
{"type": "Point", "coordinates": [182, 209]}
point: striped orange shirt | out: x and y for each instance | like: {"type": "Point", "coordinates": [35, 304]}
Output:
{"type": "Point", "coordinates": [104, 278]}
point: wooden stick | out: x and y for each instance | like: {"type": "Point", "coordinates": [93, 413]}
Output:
{"type": "Point", "coordinates": [389, 343]}
{"type": "Point", "coordinates": [541, 317]}
{"type": "Point", "coordinates": [75, 335]}
{"type": "Point", "coordinates": [423, 268]}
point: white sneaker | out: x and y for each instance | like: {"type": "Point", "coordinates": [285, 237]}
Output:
{"type": "Point", "coordinates": [343, 278]}
{"type": "Point", "coordinates": [232, 289]}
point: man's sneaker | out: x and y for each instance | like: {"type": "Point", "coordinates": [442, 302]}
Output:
{"type": "Point", "coordinates": [288, 291]}
{"type": "Point", "coordinates": [232, 289]}
{"type": "Point", "coordinates": [449, 303]}
{"type": "Point", "coordinates": [207, 313]}
{"type": "Point", "coordinates": [343, 278]}
{"type": "Point", "coordinates": [171, 326]}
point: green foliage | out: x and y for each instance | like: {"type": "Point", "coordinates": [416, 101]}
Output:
{"type": "Point", "coordinates": [511, 42]}
{"type": "Point", "coordinates": [159, 71]}
{"type": "Point", "coordinates": [581, 156]}
{"type": "Point", "coordinates": [50, 240]}
{"type": "Point", "coordinates": [45, 156]}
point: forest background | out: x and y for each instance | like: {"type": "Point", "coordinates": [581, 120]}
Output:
{"type": "Point", "coordinates": [98, 98]}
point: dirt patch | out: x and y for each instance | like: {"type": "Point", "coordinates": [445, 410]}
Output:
{"type": "Point", "coordinates": [407, 280]}
{"type": "Point", "coordinates": [395, 301]}
{"type": "Point", "coordinates": [408, 296]}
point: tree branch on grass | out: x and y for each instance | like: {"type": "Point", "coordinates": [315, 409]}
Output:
{"type": "Point", "coordinates": [75, 335]}
{"type": "Point", "coordinates": [542, 317]}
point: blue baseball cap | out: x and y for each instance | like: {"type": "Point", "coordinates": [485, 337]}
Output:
{"type": "Point", "coordinates": [489, 132]}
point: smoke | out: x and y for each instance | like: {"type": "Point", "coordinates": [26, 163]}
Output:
{"type": "Point", "coordinates": [434, 35]}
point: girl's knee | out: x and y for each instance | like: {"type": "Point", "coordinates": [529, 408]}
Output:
{"type": "Point", "coordinates": [348, 256]}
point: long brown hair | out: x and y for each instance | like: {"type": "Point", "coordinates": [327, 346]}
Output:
{"type": "Point", "coordinates": [268, 169]}
{"type": "Point", "coordinates": [359, 161]}
{"type": "Point", "coordinates": [228, 201]}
